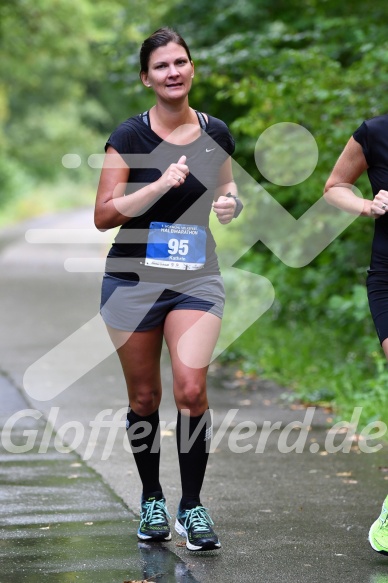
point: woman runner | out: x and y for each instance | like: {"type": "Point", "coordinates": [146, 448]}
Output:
{"type": "Point", "coordinates": [367, 150]}
{"type": "Point", "coordinates": [164, 171]}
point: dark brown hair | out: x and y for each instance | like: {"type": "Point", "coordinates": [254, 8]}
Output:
{"type": "Point", "coordinates": [159, 38]}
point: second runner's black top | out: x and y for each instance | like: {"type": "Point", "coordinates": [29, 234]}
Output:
{"type": "Point", "coordinates": [372, 135]}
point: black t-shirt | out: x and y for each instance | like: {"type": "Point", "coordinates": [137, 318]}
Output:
{"type": "Point", "coordinates": [372, 135]}
{"type": "Point", "coordinates": [189, 204]}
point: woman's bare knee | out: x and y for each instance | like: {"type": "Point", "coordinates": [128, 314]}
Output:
{"type": "Point", "coordinates": [191, 396]}
{"type": "Point", "coordinates": [144, 402]}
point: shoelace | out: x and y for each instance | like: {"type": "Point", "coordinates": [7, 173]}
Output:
{"type": "Point", "coordinates": [384, 516]}
{"type": "Point", "coordinates": [198, 519]}
{"type": "Point", "coordinates": [155, 513]}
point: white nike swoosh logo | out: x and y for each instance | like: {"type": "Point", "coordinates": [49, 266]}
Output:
{"type": "Point", "coordinates": [210, 150]}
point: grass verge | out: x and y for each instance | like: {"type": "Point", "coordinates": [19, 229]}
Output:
{"type": "Point", "coordinates": [319, 364]}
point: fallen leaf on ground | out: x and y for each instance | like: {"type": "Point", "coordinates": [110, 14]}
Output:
{"type": "Point", "coordinates": [344, 474]}
{"type": "Point", "coordinates": [342, 430]}
{"type": "Point", "coordinates": [166, 432]}
{"type": "Point", "coordinates": [180, 544]}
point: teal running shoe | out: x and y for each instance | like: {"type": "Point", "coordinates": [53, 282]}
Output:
{"type": "Point", "coordinates": [154, 517]}
{"type": "Point", "coordinates": [378, 533]}
{"type": "Point", "coordinates": [196, 525]}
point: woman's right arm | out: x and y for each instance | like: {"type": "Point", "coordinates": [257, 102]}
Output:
{"type": "Point", "coordinates": [112, 208]}
{"type": "Point", "coordinates": [349, 166]}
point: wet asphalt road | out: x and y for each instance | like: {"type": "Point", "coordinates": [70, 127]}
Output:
{"type": "Point", "coordinates": [72, 516]}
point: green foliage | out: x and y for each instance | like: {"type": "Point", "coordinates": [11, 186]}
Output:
{"type": "Point", "coordinates": [319, 365]}
{"type": "Point", "coordinates": [323, 66]}
{"type": "Point", "coordinates": [12, 180]}
{"type": "Point", "coordinates": [69, 75]}
{"type": "Point", "coordinates": [60, 90]}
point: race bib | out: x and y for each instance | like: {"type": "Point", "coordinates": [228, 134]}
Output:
{"type": "Point", "coordinates": [176, 246]}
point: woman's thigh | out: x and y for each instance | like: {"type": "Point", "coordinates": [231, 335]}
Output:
{"type": "Point", "coordinates": [139, 354]}
{"type": "Point", "coordinates": [191, 336]}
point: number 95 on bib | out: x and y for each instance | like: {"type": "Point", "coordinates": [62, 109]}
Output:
{"type": "Point", "coordinates": [176, 246]}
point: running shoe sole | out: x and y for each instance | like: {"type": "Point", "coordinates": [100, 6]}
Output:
{"type": "Point", "coordinates": [210, 546]}
{"type": "Point", "coordinates": [155, 538]}
{"type": "Point", "coordinates": [381, 552]}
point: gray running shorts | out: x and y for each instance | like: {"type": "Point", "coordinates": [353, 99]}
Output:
{"type": "Point", "coordinates": [139, 306]}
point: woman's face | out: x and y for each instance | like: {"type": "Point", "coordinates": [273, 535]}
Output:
{"type": "Point", "coordinates": [170, 72]}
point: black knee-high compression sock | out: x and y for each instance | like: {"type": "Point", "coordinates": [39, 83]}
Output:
{"type": "Point", "coordinates": [144, 437]}
{"type": "Point", "coordinates": [193, 440]}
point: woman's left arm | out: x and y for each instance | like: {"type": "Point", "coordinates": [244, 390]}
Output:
{"type": "Point", "coordinates": [224, 204]}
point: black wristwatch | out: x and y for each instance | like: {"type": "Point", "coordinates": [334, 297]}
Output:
{"type": "Point", "coordinates": [239, 205]}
